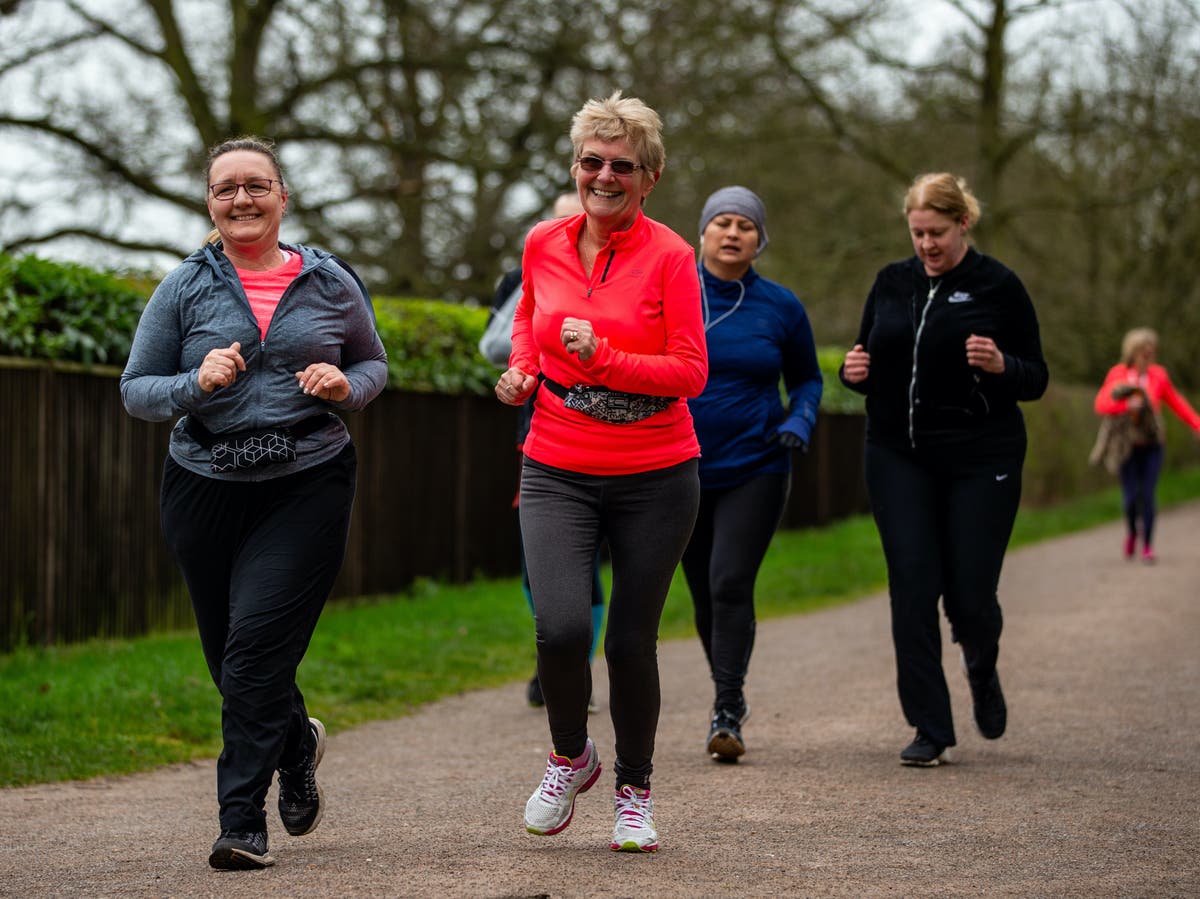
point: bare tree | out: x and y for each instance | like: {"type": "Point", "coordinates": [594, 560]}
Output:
{"type": "Point", "coordinates": [1129, 166]}
{"type": "Point", "coordinates": [406, 126]}
{"type": "Point", "coordinates": [976, 120]}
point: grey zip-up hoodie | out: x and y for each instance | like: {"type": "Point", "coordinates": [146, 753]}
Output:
{"type": "Point", "coordinates": [323, 316]}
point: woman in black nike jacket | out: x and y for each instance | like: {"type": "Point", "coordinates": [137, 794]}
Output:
{"type": "Point", "coordinates": [947, 347]}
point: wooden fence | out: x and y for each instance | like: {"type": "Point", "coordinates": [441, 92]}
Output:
{"type": "Point", "coordinates": [82, 555]}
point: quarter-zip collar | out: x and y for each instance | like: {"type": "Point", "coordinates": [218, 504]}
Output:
{"type": "Point", "coordinates": [616, 239]}
{"type": "Point", "coordinates": [616, 243]}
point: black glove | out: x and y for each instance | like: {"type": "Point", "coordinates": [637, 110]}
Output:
{"type": "Point", "coordinates": [791, 441]}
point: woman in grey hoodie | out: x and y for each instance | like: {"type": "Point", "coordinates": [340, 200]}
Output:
{"type": "Point", "coordinates": [255, 344]}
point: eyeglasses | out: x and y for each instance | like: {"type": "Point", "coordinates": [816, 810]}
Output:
{"type": "Point", "coordinates": [616, 166]}
{"type": "Point", "coordinates": [255, 187]}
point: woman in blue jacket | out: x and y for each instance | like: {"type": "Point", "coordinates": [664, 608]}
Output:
{"type": "Point", "coordinates": [757, 333]}
{"type": "Point", "coordinates": [253, 344]}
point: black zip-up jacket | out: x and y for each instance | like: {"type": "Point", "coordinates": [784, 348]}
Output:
{"type": "Point", "coordinates": [920, 390]}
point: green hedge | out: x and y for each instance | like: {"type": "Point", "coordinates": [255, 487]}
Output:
{"type": "Point", "coordinates": [52, 310]}
{"type": "Point", "coordinates": [432, 346]}
{"type": "Point", "coordinates": [71, 313]}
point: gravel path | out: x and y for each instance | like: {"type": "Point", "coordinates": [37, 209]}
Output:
{"type": "Point", "coordinates": [1094, 791]}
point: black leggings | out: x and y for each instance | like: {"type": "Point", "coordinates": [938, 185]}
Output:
{"type": "Point", "coordinates": [733, 531]}
{"type": "Point", "coordinates": [646, 519]}
{"type": "Point", "coordinates": [259, 560]}
{"type": "Point", "coordinates": [944, 515]}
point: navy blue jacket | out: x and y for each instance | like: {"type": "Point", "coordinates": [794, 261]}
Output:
{"type": "Point", "coordinates": [740, 413]}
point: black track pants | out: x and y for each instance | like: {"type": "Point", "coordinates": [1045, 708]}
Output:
{"type": "Point", "coordinates": [259, 560]}
{"type": "Point", "coordinates": [944, 517]}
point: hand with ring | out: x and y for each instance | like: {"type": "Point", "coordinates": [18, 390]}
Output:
{"type": "Point", "coordinates": [578, 338]}
{"type": "Point", "coordinates": [514, 387]}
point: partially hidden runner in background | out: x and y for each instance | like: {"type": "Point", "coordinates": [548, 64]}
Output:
{"type": "Point", "coordinates": [949, 343]}
{"type": "Point", "coordinates": [757, 333]}
{"type": "Point", "coordinates": [256, 344]}
{"type": "Point", "coordinates": [609, 318]}
{"type": "Point", "coordinates": [1132, 398]}
{"type": "Point", "coordinates": [496, 347]}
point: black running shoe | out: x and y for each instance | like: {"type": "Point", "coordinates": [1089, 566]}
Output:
{"type": "Point", "coordinates": [301, 802]}
{"type": "Point", "coordinates": [725, 742]}
{"type": "Point", "coordinates": [238, 851]}
{"type": "Point", "coordinates": [533, 693]}
{"type": "Point", "coordinates": [991, 713]}
{"type": "Point", "coordinates": [922, 752]}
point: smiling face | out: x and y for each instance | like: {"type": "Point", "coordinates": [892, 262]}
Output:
{"type": "Point", "coordinates": [728, 245]}
{"type": "Point", "coordinates": [611, 201]}
{"type": "Point", "coordinates": [249, 226]}
{"type": "Point", "coordinates": [939, 240]}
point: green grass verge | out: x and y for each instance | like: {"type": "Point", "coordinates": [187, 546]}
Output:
{"type": "Point", "coordinates": [113, 707]}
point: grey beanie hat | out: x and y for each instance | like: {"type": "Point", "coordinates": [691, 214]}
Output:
{"type": "Point", "coordinates": [742, 201]}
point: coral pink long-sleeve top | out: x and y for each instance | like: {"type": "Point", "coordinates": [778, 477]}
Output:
{"type": "Point", "coordinates": [1158, 387]}
{"type": "Point", "coordinates": [642, 298]}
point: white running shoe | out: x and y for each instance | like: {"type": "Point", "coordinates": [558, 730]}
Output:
{"type": "Point", "coordinates": [634, 828]}
{"type": "Point", "coordinates": [552, 804]}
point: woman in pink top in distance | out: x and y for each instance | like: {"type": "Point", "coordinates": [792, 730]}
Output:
{"type": "Point", "coordinates": [1138, 387]}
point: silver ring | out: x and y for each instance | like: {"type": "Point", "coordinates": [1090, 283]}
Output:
{"type": "Point", "coordinates": [572, 336]}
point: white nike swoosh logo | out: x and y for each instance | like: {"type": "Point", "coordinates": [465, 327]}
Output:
{"type": "Point", "coordinates": [1001, 477]}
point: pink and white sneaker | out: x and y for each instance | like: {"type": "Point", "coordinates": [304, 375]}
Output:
{"type": "Point", "coordinates": [552, 804]}
{"type": "Point", "coordinates": [633, 830]}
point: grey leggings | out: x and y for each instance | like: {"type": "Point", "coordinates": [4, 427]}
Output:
{"type": "Point", "coordinates": [647, 519]}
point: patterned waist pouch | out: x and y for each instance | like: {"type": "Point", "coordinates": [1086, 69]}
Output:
{"type": "Point", "coordinates": [252, 449]}
{"type": "Point", "coordinates": [614, 406]}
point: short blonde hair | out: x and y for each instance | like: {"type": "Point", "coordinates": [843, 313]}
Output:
{"type": "Point", "coordinates": [1135, 341]}
{"type": "Point", "coordinates": [621, 118]}
{"type": "Point", "coordinates": [945, 193]}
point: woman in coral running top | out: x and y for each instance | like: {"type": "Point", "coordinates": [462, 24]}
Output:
{"type": "Point", "coordinates": [609, 335]}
